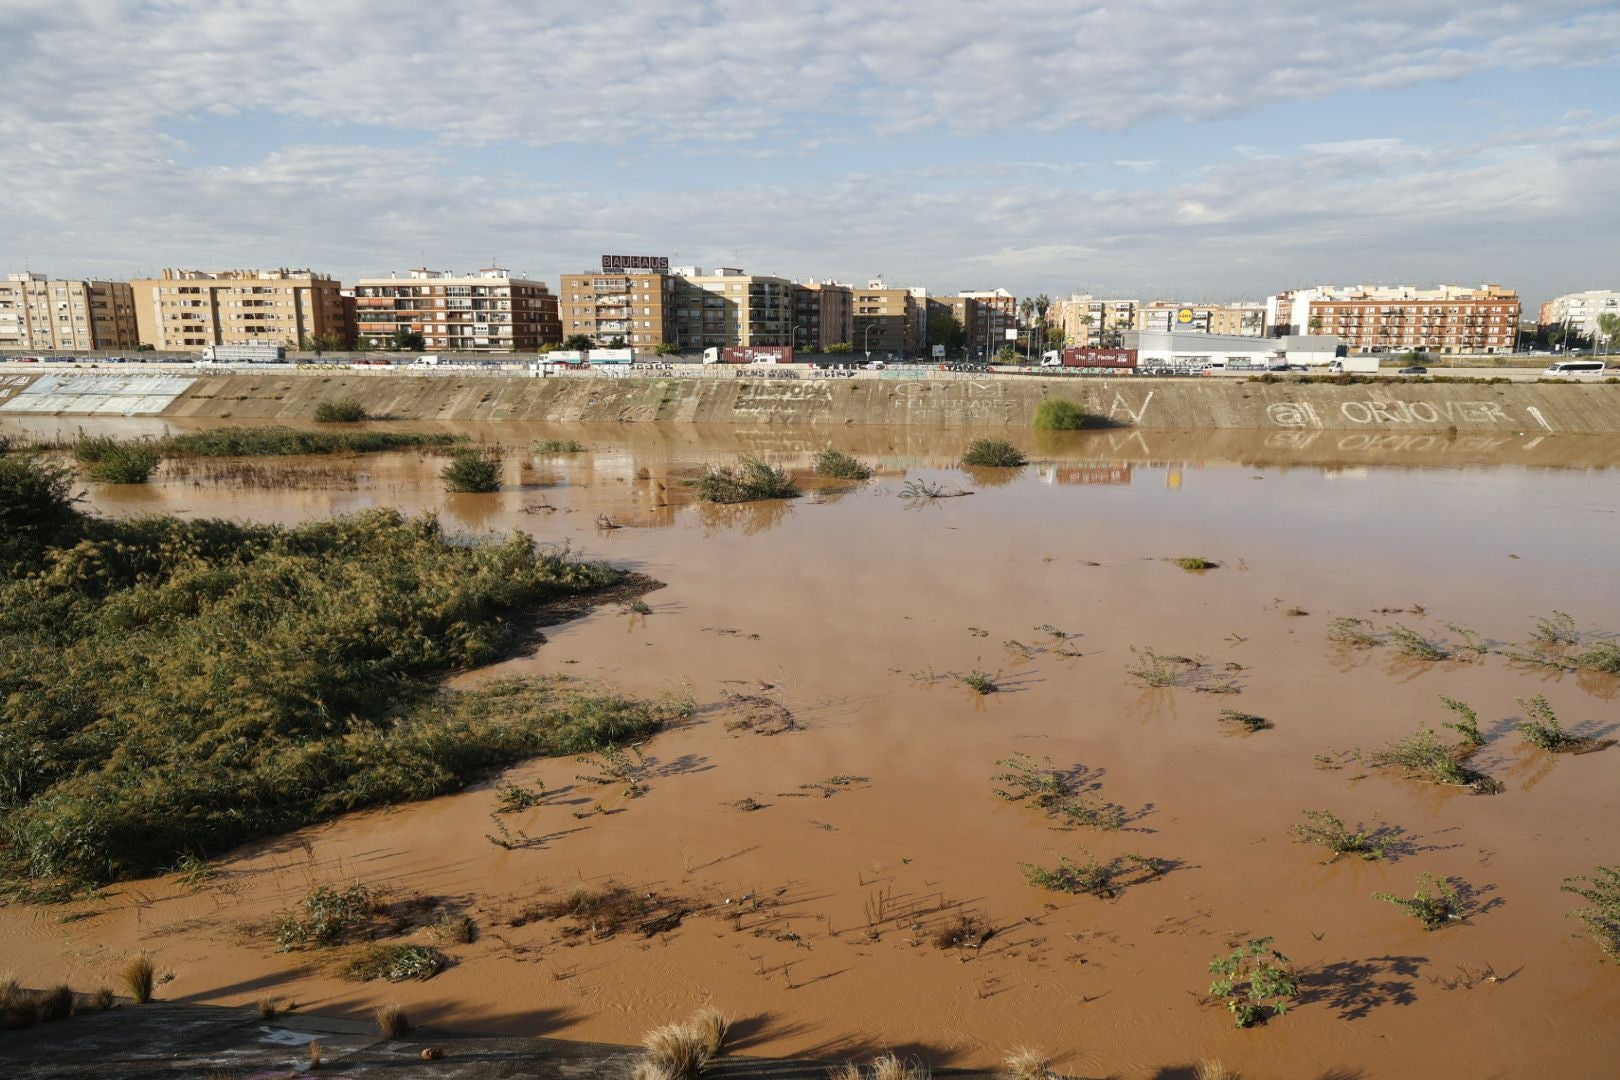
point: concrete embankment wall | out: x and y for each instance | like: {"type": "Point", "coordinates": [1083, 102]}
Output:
{"type": "Point", "coordinates": [1133, 402]}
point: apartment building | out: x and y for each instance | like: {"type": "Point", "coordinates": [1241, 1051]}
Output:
{"type": "Point", "coordinates": [190, 309]}
{"type": "Point", "coordinates": [636, 307]}
{"type": "Point", "coordinates": [1579, 312]}
{"type": "Point", "coordinates": [987, 317]}
{"type": "Point", "coordinates": [731, 307]}
{"type": "Point", "coordinates": [1396, 318]}
{"type": "Point", "coordinates": [487, 311]}
{"type": "Point", "coordinates": [823, 315]}
{"type": "Point", "coordinates": [37, 312]}
{"type": "Point", "coordinates": [884, 320]}
{"type": "Point", "coordinates": [1242, 319]}
{"type": "Point", "coordinates": [1087, 321]}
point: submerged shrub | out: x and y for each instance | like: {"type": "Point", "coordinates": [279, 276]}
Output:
{"type": "Point", "coordinates": [555, 446]}
{"type": "Point", "coordinates": [1602, 919]}
{"type": "Point", "coordinates": [840, 466]}
{"type": "Point", "coordinates": [36, 509]}
{"type": "Point", "coordinates": [1436, 902]}
{"type": "Point", "coordinates": [1055, 414]}
{"type": "Point", "coordinates": [749, 480]}
{"type": "Point", "coordinates": [395, 963]}
{"type": "Point", "coordinates": [125, 463]}
{"type": "Point", "coordinates": [283, 441]}
{"type": "Point", "coordinates": [1252, 979]}
{"type": "Point", "coordinates": [472, 471]}
{"type": "Point", "coordinates": [341, 411]}
{"type": "Point", "coordinates": [996, 453]}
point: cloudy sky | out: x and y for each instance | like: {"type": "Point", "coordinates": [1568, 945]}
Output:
{"type": "Point", "coordinates": [1215, 149]}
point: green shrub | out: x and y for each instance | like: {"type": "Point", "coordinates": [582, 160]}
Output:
{"type": "Point", "coordinates": [1410, 643]}
{"type": "Point", "coordinates": [1252, 979]}
{"type": "Point", "coordinates": [285, 441]}
{"type": "Point", "coordinates": [1556, 629]}
{"type": "Point", "coordinates": [980, 682]}
{"type": "Point", "coordinates": [395, 963]}
{"type": "Point", "coordinates": [327, 917]}
{"type": "Point", "coordinates": [125, 463]}
{"type": "Point", "coordinates": [1466, 724]}
{"type": "Point", "coordinates": [1435, 903]}
{"type": "Point", "coordinates": [1196, 562]}
{"type": "Point", "coordinates": [36, 510]}
{"type": "Point", "coordinates": [1602, 656]}
{"type": "Point", "coordinates": [472, 471]}
{"type": "Point", "coordinates": [88, 449]}
{"type": "Point", "coordinates": [1055, 414]}
{"type": "Point", "coordinates": [1355, 632]}
{"type": "Point", "coordinates": [184, 686]}
{"type": "Point", "coordinates": [341, 411]}
{"type": "Point", "coordinates": [556, 446]}
{"type": "Point", "coordinates": [840, 466]}
{"type": "Point", "coordinates": [1602, 919]}
{"type": "Point", "coordinates": [1095, 878]}
{"type": "Point", "coordinates": [996, 453]}
{"type": "Point", "coordinates": [1321, 827]}
{"type": "Point", "coordinates": [1247, 721]}
{"type": "Point", "coordinates": [749, 480]}
{"type": "Point", "coordinates": [1541, 728]}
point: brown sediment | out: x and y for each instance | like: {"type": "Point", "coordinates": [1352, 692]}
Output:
{"type": "Point", "coordinates": [816, 919]}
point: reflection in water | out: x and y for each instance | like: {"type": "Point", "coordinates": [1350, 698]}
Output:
{"type": "Point", "coordinates": [747, 518]}
{"type": "Point", "coordinates": [1090, 474]}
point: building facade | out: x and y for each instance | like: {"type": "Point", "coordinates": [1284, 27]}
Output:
{"type": "Point", "coordinates": [986, 316]}
{"type": "Point", "coordinates": [1375, 319]}
{"type": "Point", "coordinates": [823, 315]}
{"type": "Point", "coordinates": [609, 306]}
{"type": "Point", "coordinates": [1090, 322]}
{"type": "Point", "coordinates": [884, 320]}
{"type": "Point", "coordinates": [488, 311]}
{"type": "Point", "coordinates": [37, 312]}
{"type": "Point", "coordinates": [1579, 312]}
{"type": "Point", "coordinates": [730, 307]}
{"type": "Point", "coordinates": [191, 309]}
{"type": "Point", "coordinates": [1241, 319]}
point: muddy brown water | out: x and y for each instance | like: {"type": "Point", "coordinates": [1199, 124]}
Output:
{"type": "Point", "coordinates": [852, 609]}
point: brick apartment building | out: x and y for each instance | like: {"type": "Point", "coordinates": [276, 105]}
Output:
{"type": "Point", "coordinates": [191, 309]}
{"type": "Point", "coordinates": [60, 315]}
{"type": "Point", "coordinates": [488, 311]}
{"type": "Point", "coordinates": [731, 307]}
{"type": "Point", "coordinates": [1370, 319]}
{"type": "Point", "coordinates": [823, 315]}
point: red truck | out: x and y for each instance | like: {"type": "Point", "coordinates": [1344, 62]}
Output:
{"type": "Point", "coordinates": [1124, 359]}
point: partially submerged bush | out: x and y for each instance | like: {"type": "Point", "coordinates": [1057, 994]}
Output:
{"type": "Point", "coordinates": [1435, 902]}
{"type": "Point", "coordinates": [1355, 632]}
{"type": "Point", "coordinates": [1328, 830]}
{"type": "Point", "coordinates": [1424, 757]}
{"type": "Point", "coordinates": [341, 411]}
{"type": "Point", "coordinates": [1410, 643]}
{"type": "Point", "coordinates": [36, 511]}
{"type": "Point", "coordinates": [1541, 728]}
{"type": "Point", "coordinates": [1601, 656]}
{"type": "Point", "coordinates": [125, 463]}
{"type": "Point", "coordinates": [1252, 979]}
{"type": "Point", "coordinates": [749, 480]}
{"type": "Point", "coordinates": [1466, 724]}
{"type": "Point", "coordinates": [1093, 877]}
{"type": "Point", "coordinates": [1196, 562]}
{"type": "Point", "coordinates": [995, 453]}
{"type": "Point", "coordinates": [1055, 414]}
{"type": "Point", "coordinates": [1602, 919]}
{"type": "Point", "coordinates": [980, 682]}
{"type": "Point", "coordinates": [395, 963]}
{"type": "Point", "coordinates": [556, 446]}
{"type": "Point", "coordinates": [1247, 721]}
{"type": "Point", "coordinates": [326, 917]}
{"type": "Point", "coordinates": [1055, 793]}
{"type": "Point", "coordinates": [1556, 629]}
{"type": "Point", "coordinates": [472, 471]}
{"type": "Point", "coordinates": [284, 441]}
{"type": "Point", "coordinates": [840, 466]}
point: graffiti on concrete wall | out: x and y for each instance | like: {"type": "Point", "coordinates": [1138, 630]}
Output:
{"type": "Point", "coordinates": [1303, 414]}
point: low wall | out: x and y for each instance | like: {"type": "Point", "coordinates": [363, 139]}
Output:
{"type": "Point", "coordinates": [982, 402]}
{"type": "Point", "coordinates": [1135, 402]}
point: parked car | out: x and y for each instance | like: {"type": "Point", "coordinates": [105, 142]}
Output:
{"type": "Point", "coordinates": [1415, 369]}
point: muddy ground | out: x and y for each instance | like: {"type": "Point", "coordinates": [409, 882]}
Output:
{"type": "Point", "coordinates": [831, 807]}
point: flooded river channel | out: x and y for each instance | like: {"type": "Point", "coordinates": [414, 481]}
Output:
{"type": "Point", "coordinates": [830, 808]}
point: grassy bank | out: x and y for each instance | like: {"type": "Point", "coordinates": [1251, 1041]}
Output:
{"type": "Point", "coordinates": [281, 441]}
{"type": "Point", "coordinates": [172, 687]}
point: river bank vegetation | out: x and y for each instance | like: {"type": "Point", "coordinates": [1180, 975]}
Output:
{"type": "Point", "coordinates": [171, 687]}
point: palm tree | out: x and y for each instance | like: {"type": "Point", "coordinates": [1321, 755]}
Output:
{"type": "Point", "coordinates": [1026, 308]}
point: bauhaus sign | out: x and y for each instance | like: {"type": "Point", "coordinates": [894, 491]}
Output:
{"type": "Point", "coordinates": [636, 262]}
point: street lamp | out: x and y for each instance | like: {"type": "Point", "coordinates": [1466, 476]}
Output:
{"type": "Point", "coordinates": [866, 340]}
{"type": "Point", "coordinates": [793, 335]}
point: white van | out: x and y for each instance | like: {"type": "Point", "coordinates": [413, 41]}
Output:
{"type": "Point", "coordinates": [1576, 367]}
{"type": "Point", "coordinates": [427, 361]}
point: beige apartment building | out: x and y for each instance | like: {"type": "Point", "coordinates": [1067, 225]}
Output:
{"type": "Point", "coordinates": [191, 309]}
{"type": "Point", "coordinates": [883, 320]}
{"type": "Point", "coordinates": [1087, 321]}
{"type": "Point", "coordinates": [37, 312]}
{"type": "Point", "coordinates": [730, 307]}
{"type": "Point", "coordinates": [987, 316]}
{"type": "Point", "coordinates": [823, 315]}
{"type": "Point", "coordinates": [1242, 319]}
{"type": "Point", "coordinates": [607, 306]}
{"type": "Point", "coordinates": [1396, 318]}
{"type": "Point", "coordinates": [488, 311]}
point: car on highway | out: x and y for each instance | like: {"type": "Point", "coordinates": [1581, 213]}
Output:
{"type": "Point", "coordinates": [1415, 369]}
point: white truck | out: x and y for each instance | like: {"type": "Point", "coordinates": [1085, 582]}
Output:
{"type": "Point", "coordinates": [1353, 365]}
{"type": "Point", "coordinates": [429, 360]}
{"type": "Point", "coordinates": [244, 354]}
